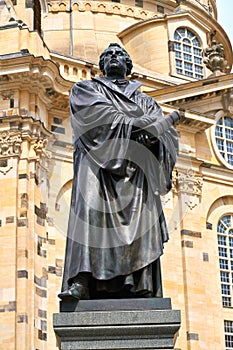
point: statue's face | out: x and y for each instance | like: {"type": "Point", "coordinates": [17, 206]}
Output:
{"type": "Point", "coordinates": [115, 62]}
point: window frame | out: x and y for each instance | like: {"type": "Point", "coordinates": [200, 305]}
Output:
{"type": "Point", "coordinates": [186, 47]}
{"type": "Point", "coordinates": [228, 333]}
{"type": "Point", "coordinates": [222, 140]}
{"type": "Point", "coordinates": [225, 258]}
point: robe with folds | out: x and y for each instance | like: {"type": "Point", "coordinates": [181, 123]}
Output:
{"type": "Point", "coordinates": [116, 227]}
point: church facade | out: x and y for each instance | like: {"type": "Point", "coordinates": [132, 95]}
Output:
{"type": "Point", "coordinates": [183, 58]}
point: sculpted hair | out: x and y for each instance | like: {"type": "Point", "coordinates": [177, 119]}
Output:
{"type": "Point", "coordinates": [129, 63]}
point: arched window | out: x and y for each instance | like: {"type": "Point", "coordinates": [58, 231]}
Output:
{"type": "Point", "coordinates": [188, 53]}
{"type": "Point", "coordinates": [66, 69]}
{"type": "Point", "coordinates": [225, 252]}
{"type": "Point", "coordinates": [75, 71]}
{"type": "Point", "coordinates": [224, 138]}
{"type": "Point", "coordinates": [84, 74]}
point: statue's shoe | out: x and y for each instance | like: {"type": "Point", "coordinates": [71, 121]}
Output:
{"type": "Point", "coordinates": [77, 291]}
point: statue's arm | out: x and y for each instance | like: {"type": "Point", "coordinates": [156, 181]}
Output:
{"type": "Point", "coordinates": [92, 112]}
{"type": "Point", "coordinates": [154, 123]}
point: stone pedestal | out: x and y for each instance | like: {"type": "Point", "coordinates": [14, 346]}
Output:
{"type": "Point", "coordinates": [117, 324]}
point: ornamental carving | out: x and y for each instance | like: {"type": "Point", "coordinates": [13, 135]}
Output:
{"type": "Point", "coordinates": [188, 185]}
{"type": "Point", "coordinates": [7, 94]}
{"type": "Point", "coordinates": [43, 161]}
{"type": "Point", "coordinates": [227, 102]}
{"type": "Point", "coordinates": [4, 78]}
{"type": "Point", "coordinates": [51, 93]}
{"type": "Point", "coordinates": [188, 182]}
{"type": "Point", "coordinates": [179, 2]}
{"type": "Point", "coordinates": [10, 144]}
{"type": "Point", "coordinates": [40, 147]}
{"type": "Point", "coordinates": [214, 57]}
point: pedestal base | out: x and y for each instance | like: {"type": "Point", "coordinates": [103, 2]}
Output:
{"type": "Point", "coordinates": [117, 324]}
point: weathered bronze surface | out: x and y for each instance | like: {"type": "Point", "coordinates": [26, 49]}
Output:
{"type": "Point", "coordinates": [124, 153]}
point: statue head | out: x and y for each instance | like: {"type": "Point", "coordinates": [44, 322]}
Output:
{"type": "Point", "coordinates": [128, 61]}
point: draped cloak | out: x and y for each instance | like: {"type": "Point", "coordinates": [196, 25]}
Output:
{"type": "Point", "coordinates": [116, 225]}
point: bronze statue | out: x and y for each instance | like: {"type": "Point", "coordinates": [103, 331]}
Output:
{"type": "Point", "coordinates": [124, 153]}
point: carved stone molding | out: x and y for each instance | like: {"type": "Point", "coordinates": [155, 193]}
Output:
{"type": "Point", "coordinates": [10, 143]}
{"type": "Point", "coordinates": [96, 6]}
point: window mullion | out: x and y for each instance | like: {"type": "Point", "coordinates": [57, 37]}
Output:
{"type": "Point", "coordinates": [225, 142]}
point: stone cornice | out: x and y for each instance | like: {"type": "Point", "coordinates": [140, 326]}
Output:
{"type": "Point", "coordinates": [216, 173]}
{"type": "Point", "coordinates": [125, 10]}
{"type": "Point", "coordinates": [197, 88]}
{"type": "Point", "coordinates": [208, 171]}
{"type": "Point", "coordinates": [38, 66]}
{"type": "Point", "coordinates": [35, 75]}
{"type": "Point", "coordinates": [197, 6]}
{"type": "Point", "coordinates": [193, 122]}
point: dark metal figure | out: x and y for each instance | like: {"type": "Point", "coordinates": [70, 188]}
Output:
{"type": "Point", "coordinates": [124, 153]}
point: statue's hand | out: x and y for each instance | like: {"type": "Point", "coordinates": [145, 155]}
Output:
{"type": "Point", "coordinates": [144, 139]}
{"type": "Point", "coordinates": [176, 116]}
{"type": "Point", "coordinates": [182, 114]}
